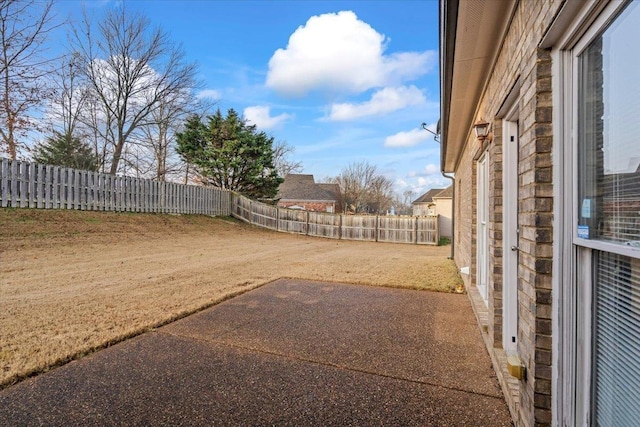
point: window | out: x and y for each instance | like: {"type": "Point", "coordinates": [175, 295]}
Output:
{"type": "Point", "coordinates": [609, 133]}
{"type": "Point", "coordinates": [617, 340]}
{"type": "Point", "coordinates": [608, 212]}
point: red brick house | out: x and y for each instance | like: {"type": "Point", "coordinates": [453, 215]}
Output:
{"type": "Point", "coordinates": [300, 191]}
{"type": "Point", "coordinates": [546, 196]}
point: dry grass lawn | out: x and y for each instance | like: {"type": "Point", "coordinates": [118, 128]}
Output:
{"type": "Point", "coordinates": [72, 282]}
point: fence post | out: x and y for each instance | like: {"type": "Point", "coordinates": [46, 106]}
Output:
{"type": "Point", "coordinates": [415, 228]}
{"type": "Point", "coordinates": [307, 224]}
{"type": "Point", "coordinates": [437, 229]}
{"type": "Point", "coordinates": [340, 228]}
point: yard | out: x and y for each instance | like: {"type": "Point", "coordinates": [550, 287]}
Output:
{"type": "Point", "coordinates": [72, 282]}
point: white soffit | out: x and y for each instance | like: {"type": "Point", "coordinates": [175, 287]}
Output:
{"type": "Point", "coordinates": [481, 26]}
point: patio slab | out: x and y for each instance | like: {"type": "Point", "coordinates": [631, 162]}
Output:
{"type": "Point", "coordinates": [292, 352]}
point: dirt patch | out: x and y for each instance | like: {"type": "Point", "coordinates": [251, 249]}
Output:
{"type": "Point", "coordinates": [72, 282]}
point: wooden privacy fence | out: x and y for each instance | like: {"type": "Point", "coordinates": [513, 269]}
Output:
{"type": "Point", "coordinates": [31, 185]}
{"type": "Point", "coordinates": [394, 229]}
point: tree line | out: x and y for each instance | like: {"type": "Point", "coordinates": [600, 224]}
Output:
{"type": "Point", "coordinates": [122, 99]}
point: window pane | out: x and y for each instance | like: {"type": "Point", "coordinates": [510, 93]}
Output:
{"type": "Point", "coordinates": [617, 342]}
{"type": "Point", "coordinates": [609, 133]}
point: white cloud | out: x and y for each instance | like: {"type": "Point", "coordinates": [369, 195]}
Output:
{"type": "Point", "coordinates": [383, 101]}
{"type": "Point", "coordinates": [209, 93]}
{"type": "Point", "coordinates": [260, 115]}
{"type": "Point", "coordinates": [339, 52]}
{"type": "Point", "coordinates": [430, 169]}
{"type": "Point", "coordinates": [430, 182]}
{"type": "Point", "coordinates": [406, 139]}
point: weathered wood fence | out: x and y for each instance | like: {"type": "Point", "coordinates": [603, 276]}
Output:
{"type": "Point", "coordinates": [394, 229]}
{"type": "Point", "coordinates": [31, 185]}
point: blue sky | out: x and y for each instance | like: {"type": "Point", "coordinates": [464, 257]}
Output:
{"type": "Point", "coordinates": [340, 81]}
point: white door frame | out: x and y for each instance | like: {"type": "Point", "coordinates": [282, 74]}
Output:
{"type": "Point", "coordinates": [482, 228]}
{"type": "Point", "coordinates": [510, 231]}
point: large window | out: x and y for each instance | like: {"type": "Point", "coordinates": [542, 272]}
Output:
{"type": "Point", "coordinates": [609, 138]}
{"type": "Point", "coordinates": [608, 211]}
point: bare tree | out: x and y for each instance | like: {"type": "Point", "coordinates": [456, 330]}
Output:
{"type": "Point", "coordinates": [407, 197]}
{"type": "Point", "coordinates": [159, 137]}
{"type": "Point", "coordinates": [23, 32]}
{"type": "Point", "coordinates": [403, 202]}
{"type": "Point", "coordinates": [131, 68]}
{"type": "Point", "coordinates": [379, 195]}
{"type": "Point", "coordinates": [354, 181]}
{"type": "Point", "coordinates": [69, 99]}
{"type": "Point", "coordinates": [282, 161]}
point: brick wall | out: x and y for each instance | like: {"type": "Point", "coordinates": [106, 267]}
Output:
{"type": "Point", "coordinates": [521, 60]}
{"type": "Point", "coordinates": [465, 216]}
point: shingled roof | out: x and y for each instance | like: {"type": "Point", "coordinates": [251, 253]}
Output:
{"type": "Point", "coordinates": [303, 187]}
{"type": "Point", "coordinates": [428, 196]}
{"type": "Point", "coordinates": [447, 192]}
{"type": "Point", "coordinates": [434, 192]}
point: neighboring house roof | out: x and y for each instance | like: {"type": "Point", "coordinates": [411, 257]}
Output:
{"type": "Point", "coordinates": [300, 187]}
{"type": "Point", "coordinates": [333, 189]}
{"type": "Point", "coordinates": [428, 196]}
{"type": "Point", "coordinates": [447, 193]}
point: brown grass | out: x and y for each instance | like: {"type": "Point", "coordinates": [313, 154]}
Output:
{"type": "Point", "coordinates": [72, 282]}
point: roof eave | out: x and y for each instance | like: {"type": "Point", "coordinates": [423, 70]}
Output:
{"type": "Point", "coordinates": [471, 35]}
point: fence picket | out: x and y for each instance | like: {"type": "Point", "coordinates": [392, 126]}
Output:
{"type": "Point", "coordinates": [4, 187]}
{"type": "Point", "coordinates": [24, 184]}
{"type": "Point", "coordinates": [54, 188]}
{"type": "Point", "coordinates": [47, 185]}
{"type": "Point", "coordinates": [33, 180]}
{"type": "Point", "coordinates": [68, 186]}
{"type": "Point", "coordinates": [14, 184]}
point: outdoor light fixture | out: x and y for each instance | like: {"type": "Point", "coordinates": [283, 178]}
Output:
{"type": "Point", "coordinates": [482, 130]}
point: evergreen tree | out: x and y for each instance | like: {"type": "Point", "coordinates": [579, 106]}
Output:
{"type": "Point", "coordinates": [229, 154]}
{"type": "Point", "coordinates": [66, 150]}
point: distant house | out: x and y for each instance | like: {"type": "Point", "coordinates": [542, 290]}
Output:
{"type": "Point", "coordinates": [443, 202]}
{"type": "Point", "coordinates": [300, 191]}
{"type": "Point", "coordinates": [436, 201]}
{"type": "Point", "coordinates": [334, 190]}
{"type": "Point", "coordinates": [424, 204]}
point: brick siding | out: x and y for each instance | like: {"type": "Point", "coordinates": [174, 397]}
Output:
{"type": "Point", "coordinates": [520, 58]}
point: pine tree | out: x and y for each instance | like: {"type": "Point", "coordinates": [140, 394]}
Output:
{"type": "Point", "coordinates": [229, 154]}
{"type": "Point", "coordinates": [66, 150]}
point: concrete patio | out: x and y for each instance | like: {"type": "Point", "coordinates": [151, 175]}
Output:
{"type": "Point", "coordinates": [292, 352]}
